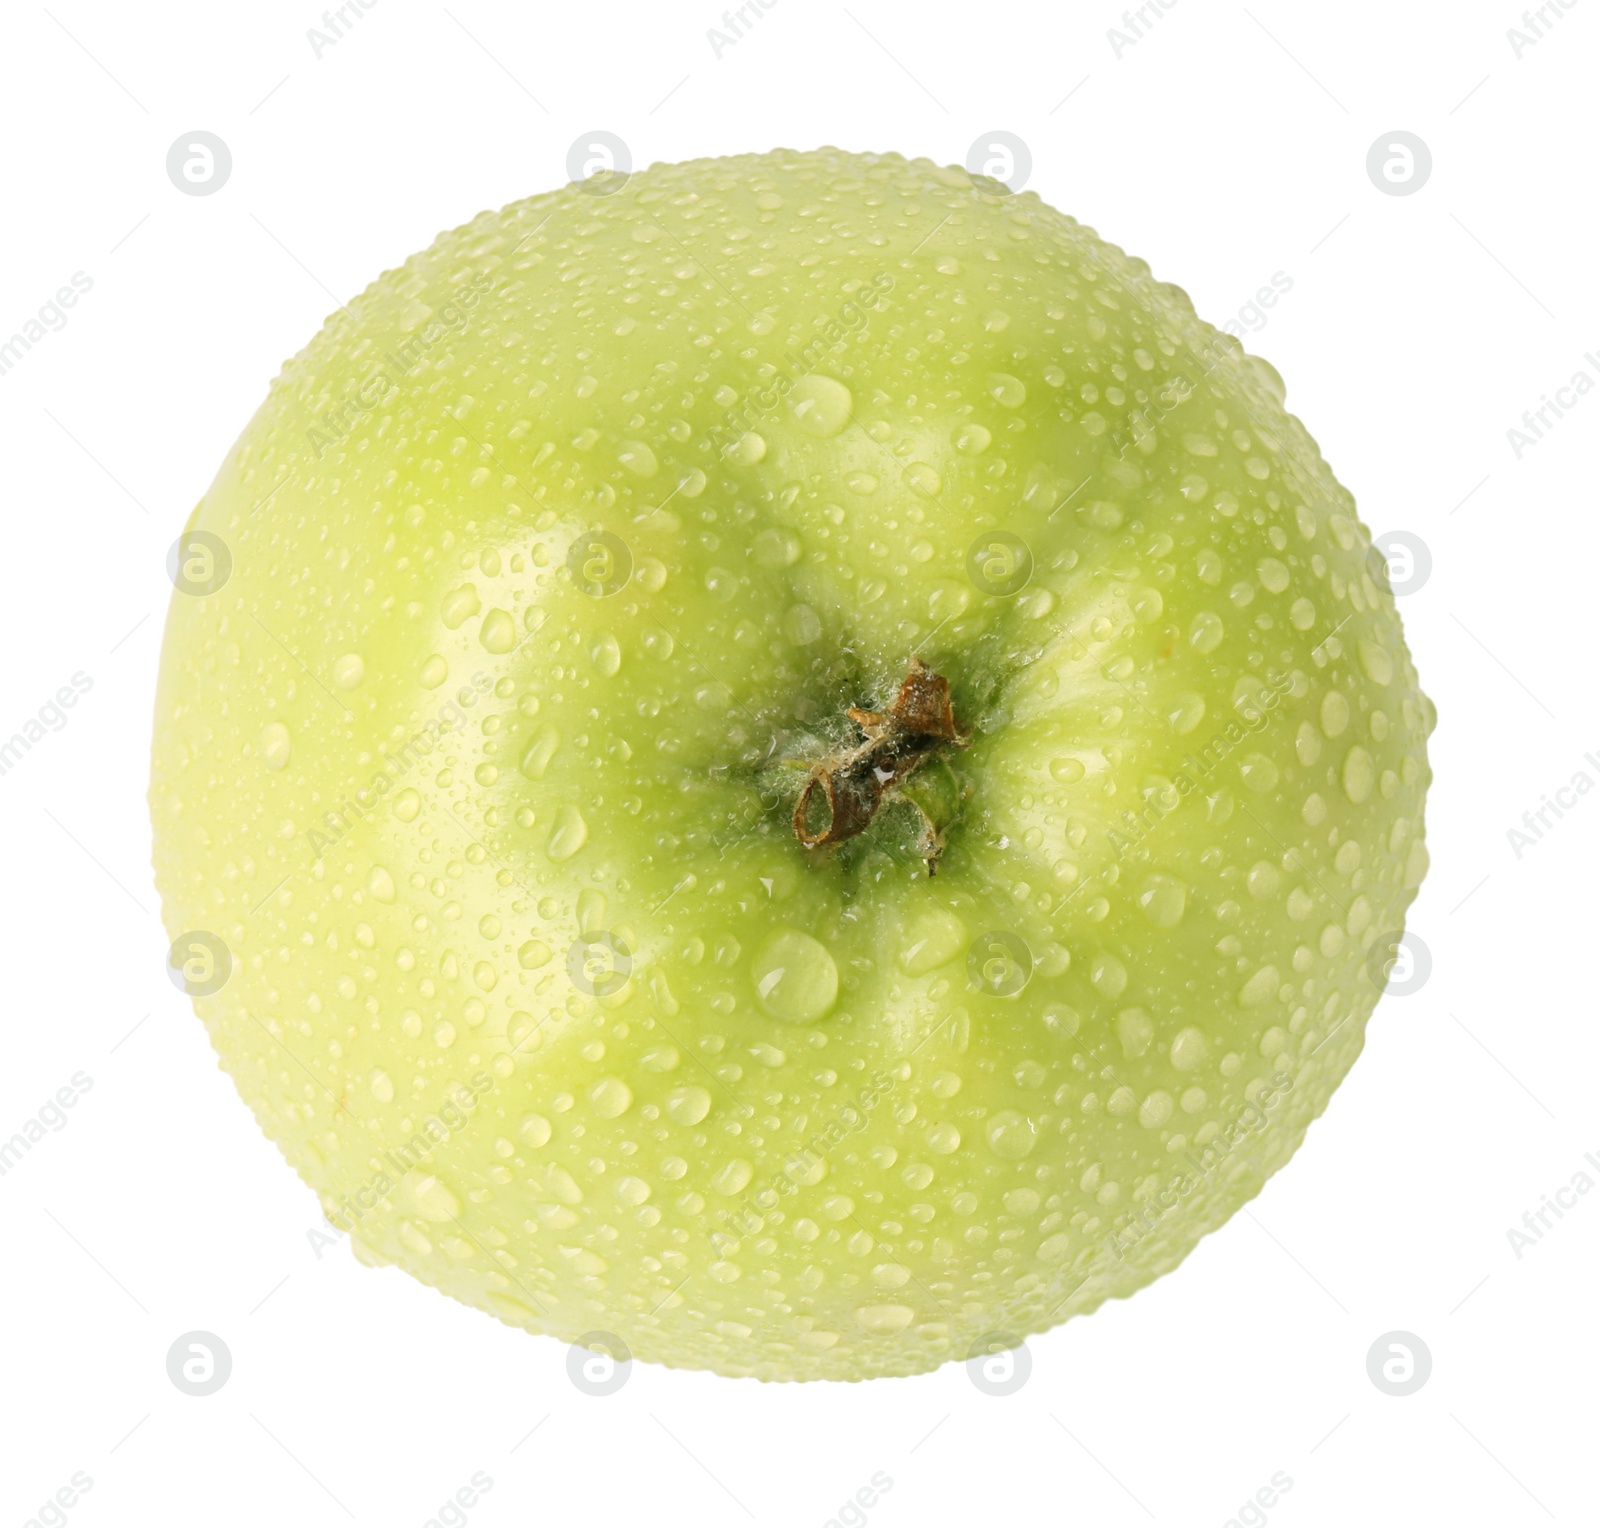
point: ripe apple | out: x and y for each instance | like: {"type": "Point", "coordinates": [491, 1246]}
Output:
{"type": "Point", "coordinates": [786, 759]}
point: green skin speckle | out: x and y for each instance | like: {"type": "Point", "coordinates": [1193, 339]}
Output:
{"type": "Point", "coordinates": [559, 559]}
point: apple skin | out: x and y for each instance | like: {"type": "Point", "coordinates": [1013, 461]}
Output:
{"type": "Point", "coordinates": [781, 1114]}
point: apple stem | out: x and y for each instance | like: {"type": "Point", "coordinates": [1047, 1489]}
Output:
{"type": "Point", "coordinates": [844, 792]}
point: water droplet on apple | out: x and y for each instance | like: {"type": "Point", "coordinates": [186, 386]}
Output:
{"type": "Point", "coordinates": [533, 954]}
{"type": "Point", "coordinates": [638, 458]}
{"type": "Point", "coordinates": [802, 625]}
{"type": "Point", "coordinates": [933, 937]}
{"type": "Point", "coordinates": [1335, 713]}
{"type": "Point", "coordinates": [1055, 1249]}
{"type": "Point", "coordinates": [498, 633]}
{"type": "Point", "coordinates": [820, 405]}
{"type": "Point", "coordinates": [540, 750]}
{"type": "Point", "coordinates": [609, 1097]}
{"type": "Point", "coordinates": [1205, 632]}
{"type": "Point", "coordinates": [1011, 1136]}
{"type": "Point", "coordinates": [1134, 1032]}
{"type": "Point", "coordinates": [349, 671]}
{"type": "Point", "coordinates": [568, 834]}
{"type": "Point", "coordinates": [1188, 1048]}
{"type": "Point", "coordinates": [1258, 773]}
{"type": "Point", "coordinates": [460, 603]}
{"type": "Point", "coordinates": [795, 977]}
{"type": "Point", "coordinates": [1108, 974]}
{"type": "Point", "coordinates": [749, 449]}
{"type": "Point", "coordinates": [1007, 390]}
{"type": "Point", "coordinates": [1273, 574]}
{"type": "Point", "coordinates": [1376, 663]}
{"type": "Point", "coordinates": [884, 1320]}
{"type": "Point", "coordinates": [733, 1177]}
{"type": "Point", "coordinates": [688, 1105]}
{"type": "Point", "coordinates": [1163, 899]}
{"type": "Point", "coordinates": [275, 745]}
{"type": "Point", "coordinates": [1358, 774]}
{"type": "Point", "coordinates": [429, 1197]}
{"type": "Point", "coordinates": [1156, 1109]}
{"type": "Point", "coordinates": [1261, 988]}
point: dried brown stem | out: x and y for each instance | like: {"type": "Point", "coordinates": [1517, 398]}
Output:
{"type": "Point", "coordinates": [856, 781]}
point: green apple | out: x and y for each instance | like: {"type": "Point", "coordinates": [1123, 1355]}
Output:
{"type": "Point", "coordinates": [796, 764]}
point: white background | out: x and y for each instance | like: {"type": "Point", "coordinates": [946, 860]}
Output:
{"type": "Point", "coordinates": [1223, 146]}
